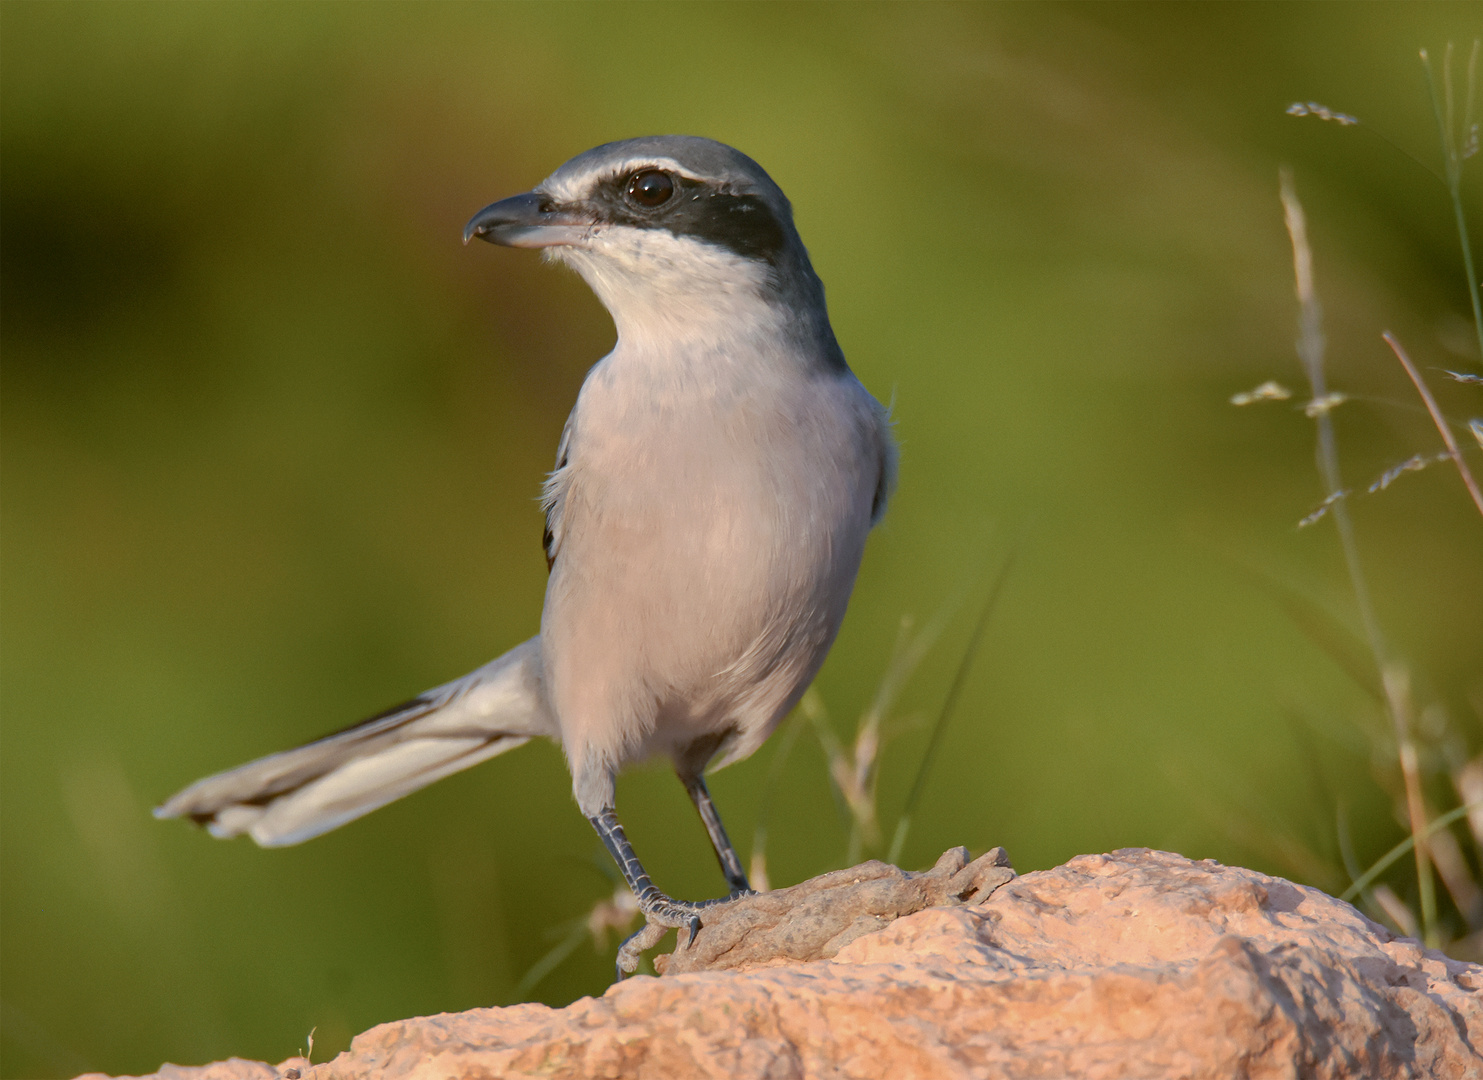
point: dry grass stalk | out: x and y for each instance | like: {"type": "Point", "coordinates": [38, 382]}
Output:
{"type": "Point", "coordinates": [1396, 910]}
{"type": "Point", "coordinates": [1469, 783]}
{"type": "Point", "coordinates": [1436, 414]}
{"type": "Point", "coordinates": [1395, 679]}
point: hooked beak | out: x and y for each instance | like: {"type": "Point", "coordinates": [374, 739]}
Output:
{"type": "Point", "coordinates": [525, 221]}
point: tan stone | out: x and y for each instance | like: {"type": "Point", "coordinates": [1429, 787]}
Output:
{"type": "Point", "coordinates": [816, 919]}
{"type": "Point", "coordinates": [1133, 964]}
{"type": "Point", "coordinates": [230, 1069]}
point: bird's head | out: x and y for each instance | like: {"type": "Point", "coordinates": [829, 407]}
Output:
{"type": "Point", "coordinates": [678, 236]}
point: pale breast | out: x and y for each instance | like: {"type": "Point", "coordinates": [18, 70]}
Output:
{"type": "Point", "coordinates": [709, 545]}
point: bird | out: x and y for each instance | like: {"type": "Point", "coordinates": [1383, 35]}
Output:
{"type": "Point", "coordinates": [705, 521]}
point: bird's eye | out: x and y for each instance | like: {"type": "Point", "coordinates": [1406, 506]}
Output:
{"type": "Point", "coordinates": [651, 188]}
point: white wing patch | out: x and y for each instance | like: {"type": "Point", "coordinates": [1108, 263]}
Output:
{"type": "Point", "coordinates": [553, 493]}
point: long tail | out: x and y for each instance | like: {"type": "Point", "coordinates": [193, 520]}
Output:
{"type": "Point", "coordinates": [288, 798]}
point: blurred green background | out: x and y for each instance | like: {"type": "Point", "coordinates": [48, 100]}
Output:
{"type": "Point", "coordinates": [272, 440]}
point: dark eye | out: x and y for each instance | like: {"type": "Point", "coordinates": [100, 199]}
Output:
{"type": "Point", "coordinates": [651, 188]}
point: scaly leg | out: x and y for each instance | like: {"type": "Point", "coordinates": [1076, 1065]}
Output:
{"type": "Point", "coordinates": [660, 911]}
{"type": "Point", "coordinates": [736, 877]}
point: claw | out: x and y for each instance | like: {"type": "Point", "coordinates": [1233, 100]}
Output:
{"type": "Point", "coordinates": [694, 930]}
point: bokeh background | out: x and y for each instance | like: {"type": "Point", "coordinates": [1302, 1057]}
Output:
{"type": "Point", "coordinates": [272, 440]}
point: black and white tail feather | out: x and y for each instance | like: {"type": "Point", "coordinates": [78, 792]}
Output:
{"type": "Point", "coordinates": [293, 796]}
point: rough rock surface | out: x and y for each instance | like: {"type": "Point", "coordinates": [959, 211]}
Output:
{"type": "Point", "coordinates": [1134, 964]}
{"type": "Point", "coordinates": [816, 919]}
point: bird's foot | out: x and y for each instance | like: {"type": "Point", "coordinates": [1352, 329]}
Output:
{"type": "Point", "coordinates": [662, 914]}
{"type": "Point", "coordinates": [635, 945]}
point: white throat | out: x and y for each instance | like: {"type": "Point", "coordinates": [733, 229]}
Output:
{"type": "Point", "coordinates": [669, 293]}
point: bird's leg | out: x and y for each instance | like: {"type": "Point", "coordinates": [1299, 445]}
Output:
{"type": "Point", "coordinates": [736, 877]}
{"type": "Point", "coordinates": [656, 906]}
{"type": "Point", "coordinates": [659, 910]}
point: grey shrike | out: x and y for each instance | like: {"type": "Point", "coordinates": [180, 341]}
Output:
{"type": "Point", "coordinates": [713, 489]}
